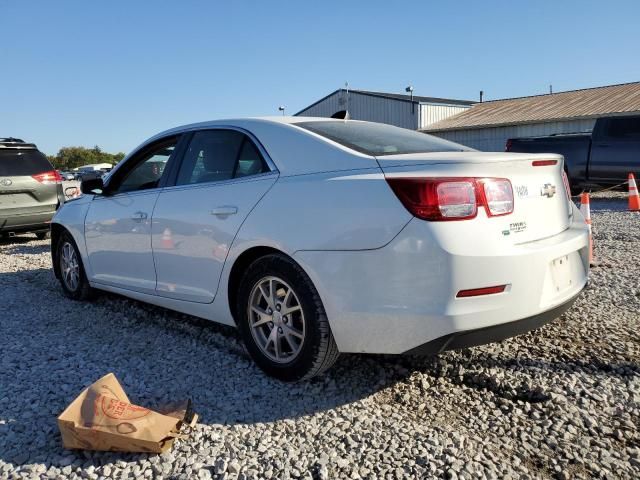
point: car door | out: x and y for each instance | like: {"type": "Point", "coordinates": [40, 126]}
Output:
{"type": "Point", "coordinates": [118, 222]}
{"type": "Point", "coordinates": [615, 150]}
{"type": "Point", "coordinates": [222, 176]}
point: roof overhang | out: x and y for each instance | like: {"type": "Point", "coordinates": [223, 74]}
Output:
{"type": "Point", "coordinates": [530, 122]}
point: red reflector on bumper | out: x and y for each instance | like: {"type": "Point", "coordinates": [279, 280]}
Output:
{"type": "Point", "coordinates": [475, 292]}
{"type": "Point", "coordinates": [543, 163]}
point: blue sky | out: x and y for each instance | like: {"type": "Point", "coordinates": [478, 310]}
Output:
{"type": "Point", "coordinates": [114, 72]}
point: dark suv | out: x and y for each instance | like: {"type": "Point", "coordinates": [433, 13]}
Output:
{"type": "Point", "coordinates": [30, 189]}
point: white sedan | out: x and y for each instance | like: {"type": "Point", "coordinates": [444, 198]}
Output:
{"type": "Point", "coordinates": [316, 236]}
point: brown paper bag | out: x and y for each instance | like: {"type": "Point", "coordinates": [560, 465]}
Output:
{"type": "Point", "coordinates": [103, 418]}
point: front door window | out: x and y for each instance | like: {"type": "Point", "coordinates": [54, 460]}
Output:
{"type": "Point", "coordinates": [146, 171]}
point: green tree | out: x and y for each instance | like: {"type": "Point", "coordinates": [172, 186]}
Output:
{"type": "Point", "coordinates": [68, 158]}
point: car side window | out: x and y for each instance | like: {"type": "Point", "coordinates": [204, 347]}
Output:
{"type": "Point", "coordinates": [147, 170]}
{"type": "Point", "coordinates": [250, 162]}
{"type": "Point", "coordinates": [624, 128]}
{"type": "Point", "coordinates": [218, 155]}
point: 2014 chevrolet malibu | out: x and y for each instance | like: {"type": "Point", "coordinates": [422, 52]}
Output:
{"type": "Point", "coordinates": [317, 236]}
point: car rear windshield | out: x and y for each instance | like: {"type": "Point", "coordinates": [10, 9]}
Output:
{"type": "Point", "coordinates": [378, 139]}
{"type": "Point", "coordinates": [16, 163]}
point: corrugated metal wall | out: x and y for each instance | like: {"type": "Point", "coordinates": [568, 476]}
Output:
{"type": "Point", "coordinates": [367, 107]}
{"type": "Point", "coordinates": [432, 113]}
{"type": "Point", "coordinates": [494, 139]}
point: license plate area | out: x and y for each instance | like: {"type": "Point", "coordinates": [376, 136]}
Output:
{"type": "Point", "coordinates": [561, 274]}
{"type": "Point", "coordinates": [7, 199]}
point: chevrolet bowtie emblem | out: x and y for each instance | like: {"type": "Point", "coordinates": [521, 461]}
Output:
{"type": "Point", "coordinates": [548, 190]}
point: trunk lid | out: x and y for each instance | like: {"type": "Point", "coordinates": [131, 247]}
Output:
{"type": "Point", "coordinates": [541, 206]}
{"type": "Point", "coordinates": [22, 195]}
{"type": "Point", "coordinates": [20, 192]}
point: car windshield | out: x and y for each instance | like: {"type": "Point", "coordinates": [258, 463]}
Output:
{"type": "Point", "coordinates": [379, 139]}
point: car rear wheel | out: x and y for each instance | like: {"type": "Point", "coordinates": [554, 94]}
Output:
{"type": "Point", "coordinates": [282, 320]}
{"type": "Point", "coordinates": [72, 277]}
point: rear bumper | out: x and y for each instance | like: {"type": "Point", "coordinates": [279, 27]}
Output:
{"type": "Point", "coordinates": [27, 222]}
{"type": "Point", "coordinates": [398, 298]}
{"type": "Point", "coordinates": [494, 333]}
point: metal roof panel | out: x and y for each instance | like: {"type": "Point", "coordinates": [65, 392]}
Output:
{"type": "Point", "coordinates": [585, 103]}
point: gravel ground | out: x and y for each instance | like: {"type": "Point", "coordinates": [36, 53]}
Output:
{"type": "Point", "coordinates": [561, 402]}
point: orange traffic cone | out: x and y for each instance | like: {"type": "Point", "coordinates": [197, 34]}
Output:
{"type": "Point", "coordinates": [586, 213]}
{"type": "Point", "coordinates": [634, 199]}
{"type": "Point", "coordinates": [167, 240]}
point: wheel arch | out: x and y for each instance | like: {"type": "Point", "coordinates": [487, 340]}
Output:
{"type": "Point", "coordinates": [240, 265]}
{"type": "Point", "coordinates": [56, 232]}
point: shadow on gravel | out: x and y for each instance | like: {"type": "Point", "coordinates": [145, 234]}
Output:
{"type": "Point", "coordinates": [593, 366]}
{"type": "Point", "coordinates": [17, 240]}
{"type": "Point", "coordinates": [26, 248]}
{"type": "Point", "coordinates": [469, 370]}
{"type": "Point", "coordinates": [54, 347]}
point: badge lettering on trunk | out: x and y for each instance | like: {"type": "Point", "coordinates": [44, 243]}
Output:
{"type": "Point", "coordinates": [548, 190]}
{"type": "Point", "coordinates": [522, 191]}
{"type": "Point", "coordinates": [517, 227]}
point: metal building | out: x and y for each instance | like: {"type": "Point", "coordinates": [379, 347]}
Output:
{"type": "Point", "coordinates": [487, 126]}
{"type": "Point", "coordinates": [406, 111]}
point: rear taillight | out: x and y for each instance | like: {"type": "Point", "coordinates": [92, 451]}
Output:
{"type": "Point", "coordinates": [567, 187]}
{"type": "Point", "coordinates": [51, 176]}
{"type": "Point", "coordinates": [498, 196]}
{"type": "Point", "coordinates": [457, 199]}
{"type": "Point", "coordinates": [442, 199]}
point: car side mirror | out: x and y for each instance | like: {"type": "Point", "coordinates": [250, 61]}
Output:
{"type": "Point", "coordinates": [92, 185]}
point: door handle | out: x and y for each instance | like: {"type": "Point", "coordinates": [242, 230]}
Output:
{"type": "Point", "coordinates": [139, 216]}
{"type": "Point", "coordinates": [224, 211]}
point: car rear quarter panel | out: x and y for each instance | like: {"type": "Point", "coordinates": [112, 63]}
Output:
{"type": "Point", "coordinates": [348, 210]}
{"type": "Point", "coordinates": [336, 211]}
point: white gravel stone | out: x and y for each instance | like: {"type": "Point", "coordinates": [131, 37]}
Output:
{"type": "Point", "coordinates": [563, 401]}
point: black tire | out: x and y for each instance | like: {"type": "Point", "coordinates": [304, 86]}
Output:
{"type": "Point", "coordinates": [318, 351]}
{"type": "Point", "coordinates": [43, 235]}
{"type": "Point", "coordinates": [83, 290]}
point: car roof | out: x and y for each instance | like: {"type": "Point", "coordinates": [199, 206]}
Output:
{"type": "Point", "coordinates": [283, 142]}
{"type": "Point", "coordinates": [240, 122]}
{"type": "Point", "coordinates": [16, 143]}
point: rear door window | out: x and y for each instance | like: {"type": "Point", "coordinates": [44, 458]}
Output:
{"type": "Point", "coordinates": [623, 128]}
{"type": "Point", "coordinates": [17, 163]}
{"type": "Point", "coordinates": [218, 155]}
{"type": "Point", "coordinates": [250, 162]}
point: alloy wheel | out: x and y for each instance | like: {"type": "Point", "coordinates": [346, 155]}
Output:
{"type": "Point", "coordinates": [276, 319]}
{"type": "Point", "coordinates": [69, 266]}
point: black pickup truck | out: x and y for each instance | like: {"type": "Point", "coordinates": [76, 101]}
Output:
{"type": "Point", "coordinates": [601, 158]}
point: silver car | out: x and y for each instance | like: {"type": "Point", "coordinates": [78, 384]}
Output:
{"type": "Point", "coordinates": [30, 189]}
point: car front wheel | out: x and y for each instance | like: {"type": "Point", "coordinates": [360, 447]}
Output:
{"type": "Point", "coordinates": [72, 277]}
{"type": "Point", "coordinates": [282, 320]}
